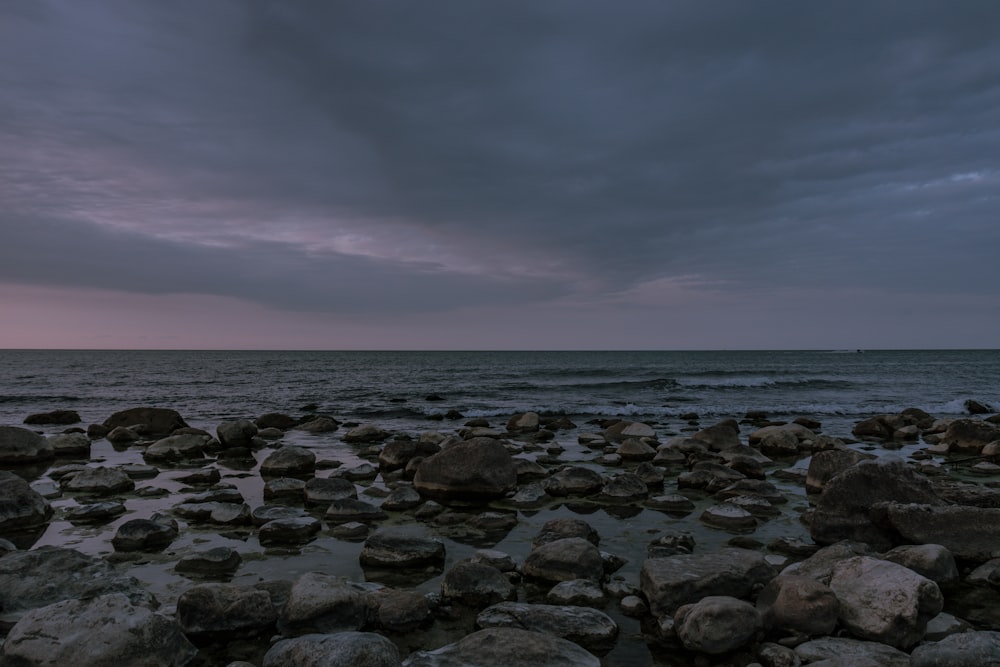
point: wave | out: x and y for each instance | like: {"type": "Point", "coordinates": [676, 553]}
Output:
{"type": "Point", "coordinates": [36, 398]}
{"type": "Point", "coordinates": [752, 382]}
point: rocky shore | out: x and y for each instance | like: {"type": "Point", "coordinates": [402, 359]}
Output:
{"type": "Point", "coordinates": [299, 541]}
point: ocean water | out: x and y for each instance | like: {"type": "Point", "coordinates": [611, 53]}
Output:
{"type": "Point", "coordinates": [391, 388]}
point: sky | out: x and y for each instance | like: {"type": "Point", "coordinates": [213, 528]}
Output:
{"type": "Point", "coordinates": [526, 174]}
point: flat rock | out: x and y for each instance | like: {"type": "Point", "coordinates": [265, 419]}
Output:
{"type": "Point", "coordinates": [107, 631]}
{"type": "Point", "coordinates": [289, 461]}
{"type": "Point", "coordinates": [184, 447]}
{"type": "Point", "coordinates": [325, 490]}
{"type": "Point", "coordinates": [506, 647]}
{"type": "Point", "coordinates": [152, 534]}
{"type": "Point", "coordinates": [971, 533]}
{"type": "Point", "coordinates": [401, 550]}
{"type": "Point", "coordinates": [590, 628]}
{"type": "Point", "coordinates": [349, 509]}
{"type": "Point", "coordinates": [853, 651]}
{"type": "Point", "coordinates": [100, 480]}
{"type": "Point", "coordinates": [295, 530]}
{"type": "Point", "coordinates": [960, 650]}
{"type": "Point", "coordinates": [58, 417]}
{"type": "Point", "coordinates": [573, 481]}
{"type": "Point", "coordinates": [341, 649]}
{"type": "Point", "coordinates": [100, 512]}
{"type": "Point", "coordinates": [70, 444]}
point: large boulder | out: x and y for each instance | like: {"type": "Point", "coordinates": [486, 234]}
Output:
{"type": "Point", "coordinates": [149, 422]}
{"type": "Point", "coordinates": [107, 631]}
{"type": "Point", "coordinates": [829, 463]}
{"type": "Point", "coordinates": [592, 629]}
{"type": "Point", "coordinates": [324, 603]}
{"type": "Point", "coordinates": [476, 469]}
{"type": "Point", "coordinates": [289, 462]}
{"type": "Point", "coordinates": [883, 601]}
{"type": "Point", "coordinates": [970, 435]}
{"type": "Point", "coordinates": [219, 611]}
{"type": "Point", "coordinates": [843, 510]}
{"type": "Point", "coordinates": [506, 647]}
{"type": "Point", "coordinates": [525, 422]}
{"type": "Point", "coordinates": [21, 507]}
{"type": "Point", "coordinates": [366, 433]}
{"type": "Point", "coordinates": [681, 579]}
{"type": "Point", "coordinates": [970, 533]}
{"type": "Point", "coordinates": [341, 649]}
{"type": "Point", "coordinates": [19, 445]}
{"type": "Point", "coordinates": [716, 624]}
{"type": "Point", "coordinates": [236, 433]}
{"type": "Point", "coordinates": [965, 649]}
{"type": "Point", "coordinates": [30, 579]}
{"type": "Point", "coordinates": [720, 436]}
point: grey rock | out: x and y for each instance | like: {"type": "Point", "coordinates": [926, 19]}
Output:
{"type": "Point", "coordinates": [21, 508]}
{"type": "Point", "coordinates": [624, 487]}
{"type": "Point", "coordinates": [579, 592]}
{"type": "Point", "coordinates": [341, 649]}
{"type": "Point", "coordinates": [183, 447]}
{"type": "Point", "coordinates": [590, 628]}
{"type": "Point", "coordinates": [60, 417]}
{"type": "Point", "coordinates": [93, 513]}
{"type": "Point", "coordinates": [318, 425]}
{"type": "Point", "coordinates": [563, 560]}
{"type": "Point", "coordinates": [624, 430]}
{"type": "Point", "coordinates": [827, 464]}
{"type": "Point", "coordinates": [285, 487]}
{"type": "Point", "coordinates": [966, 649]}
{"type": "Point", "coordinates": [716, 624]}
{"type": "Point", "coordinates": [933, 561]}
{"type": "Point", "coordinates": [212, 562]}
{"type": "Point", "coordinates": [289, 461]}
{"type": "Point", "coordinates": [506, 647]}
{"type": "Point", "coordinates": [401, 499]}
{"type": "Point", "coordinates": [573, 481]}
{"type": "Point", "coordinates": [152, 534]}
{"type": "Point", "coordinates": [296, 530]}
{"type": "Point", "coordinates": [366, 433]}
{"type": "Point", "coordinates": [476, 585]}
{"type": "Point", "coordinates": [349, 509]}
{"type": "Point", "coordinates": [476, 469]}
{"type": "Point", "coordinates": [19, 445]}
{"type": "Point", "coordinates": [323, 603]}
{"type": "Point", "coordinates": [101, 481]}
{"type": "Point", "coordinates": [970, 533]}
{"type": "Point", "coordinates": [150, 422]}
{"type": "Point", "coordinates": [216, 611]}
{"type": "Point", "coordinates": [70, 444]}
{"type": "Point", "coordinates": [236, 433]}
{"type": "Point", "coordinates": [799, 605]}
{"type": "Point", "coordinates": [325, 490]}
{"type": "Point", "coordinates": [855, 651]}
{"type": "Point", "coordinates": [401, 550]}
{"type": "Point", "coordinates": [557, 529]}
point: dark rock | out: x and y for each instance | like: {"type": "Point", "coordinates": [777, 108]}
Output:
{"type": "Point", "coordinates": [149, 422]}
{"type": "Point", "coordinates": [101, 512]}
{"type": "Point", "coordinates": [340, 649]}
{"type": "Point", "coordinates": [294, 530]}
{"type": "Point", "coordinates": [971, 533]}
{"type": "Point", "coordinates": [325, 490]}
{"type": "Point", "coordinates": [590, 628]}
{"type": "Point", "coordinates": [565, 559]}
{"type": "Point", "coordinates": [402, 498]}
{"type": "Point", "coordinates": [400, 550]}
{"type": "Point", "coordinates": [366, 433]}
{"type": "Point", "coordinates": [721, 436]}
{"type": "Point", "coordinates": [929, 560]}
{"type": "Point", "coordinates": [213, 562]}
{"type": "Point", "coordinates": [289, 462]}
{"type": "Point", "coordinates": [876, 428]}
{"type": "Point", "coordinates": [506, 647]}
{"type": "Point", "coordinates": [101, 480]}
{"type": "Point", "coordinates": [21, 508]}
{"type": "Point", "coordinates": [573, 481]}
{"type": "Point", "coordinates": [59, 417]}
{"type": "Point", "coordinates": [827, 464]}
{"type": "Point", "coordinates": [854, 653]}
{"type": "Point", "coordinates": [173, 448]}
{"type": "Point", "coordinates": [476, 585]}
{"type": "Point", "coordinates": [624, 488]}
{"type": "Point", "coordinates": [476, 469]}
{"type": "Point", "coordinates": [276, 420]}
{"type": "Point", "coordinates": [577, 592]}
{"type": "Point", "coordinates": [237, 433]}
{"type": "Point", "coordinates": [350, 509]}
{"type": "Point", "coordinates": [396, 454]}
{"type": "Point", "coordinates": [19, 445]}
{"type": "Point", "coordinates": [402, 611]}
{"type": "Point", "coordinates": [970, 435]}
{"type": "Point", "coordinates": [798, 605]}
{"type": "Point", "coordinates": [285, 487]}
{"type": "Point", "coordinates": [122, 435]}
{"type": "Point", "coordinates": [972, 406]}
{"type": "Point", "coordinates": [960, 650]}
{"type": "Point", "coordinates": [716, 624]}
{"type": "Point", "coordinates": [525, 422]}
{"type": "Point", "coordinates": [70, 444]}
{"type": "Point", "coordinates": [219, 611]}
{"type": "Point", "coordinates": [323, 603]}
{"type": "Point", "coordinates": [623, 430]}
{"type": "Point", "coordinates": [557, 529]}
{"type": "Point", "coordinates": [106, 631]}
{"type": "Point", "coordinates": [153, 534]}
{"type": "Point", "coordinates": [319, 425]}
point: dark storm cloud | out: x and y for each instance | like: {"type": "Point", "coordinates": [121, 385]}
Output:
{"type": "Point", "coordinates": [768, 143]}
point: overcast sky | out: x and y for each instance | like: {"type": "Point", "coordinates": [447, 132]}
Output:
{"type": "Point", "coordinates": [499, 175]}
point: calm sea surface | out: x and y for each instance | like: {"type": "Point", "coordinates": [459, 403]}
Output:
{"type": "Point", "coordinates": [391, 387]}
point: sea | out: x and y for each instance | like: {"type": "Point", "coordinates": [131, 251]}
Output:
{"type": "Point", "coordinates": [404, 390]}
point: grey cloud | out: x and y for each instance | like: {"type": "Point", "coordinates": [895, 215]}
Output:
{"type": "Point", "coordinates": [765, 143]}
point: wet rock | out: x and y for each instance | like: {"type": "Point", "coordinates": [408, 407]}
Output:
{"type": "Point", "coordinates": [139, 470]}
{"type": "Point", "coordinates": [349, 509]}
{"type": "Point", "coordinates": [325, 490]}
{"type": "Point", "coordinates": [402, 498]}
{"type": "Point", "coordinates": [121, 435]}
{"type": "Point", "coordinates": [30, 579]}
{"type": "Point", "coordinates": [590, 628]}
{"type": "Point", "coordinates": [233, 514]}
{"type": "Point", "coordinates": [716, 624]}
{"type": "Point", "coordinates": [289, 462]}
{"type": "Point", "coordinates": [929, 560]}
{"type": "Point", "coordinates": [557, 529]}
{"type": "Point", "coordinates": [843, 509]}
{"type": "Point", "coordinates": [46, 488]}
{"type": "Point", "coordinates": [728, 516]}
{"type": "Point", "coordinates": [624, 488]}
{"type": "Point", "coordinates": [970, 435]}
{"type": "Point", "coordinates": [476, 584]}
{"type": "Point", "coordinates": [883, 601]}
{"type": "Point", "coordinates": [778, 443]}
{"type": "Point", "coordinates": [624, 430]}
{"type": "Point", "coordinates": [323, 603]}
{"type": "Point", "coordinates": [396, 454]}
{"type": "Point", "coordinates": [880, 427]}
{"type": "Point", "coordinates": [276, 420]}
{"type": "Point", "coordinates": [318, 425]}
{"type": "Point", "coordinates": [101, 481]}
{"type": "Point", "coordinates": [960, 650]}
{"type": "Point", "coordinates": [106, 631]}
{"type": "Point", "coordinates": [573, 481]}
{"type": "Point", "coordinates": [340, 649]}
{"type": "Point", "coordinates": [401, 550]}
{"type": "Point", "coordinates": [366, 433]}
{"type": "Point", "coordinates": [295, 530]}
{"type": "Point", "coordinates": [21, 507]}
{"type": "Point", "coordinates": [289, 488]}
{"type": "Point", "coordinates": [266, 513]}
{"type": "Point", "coordinates": [236, 433]}
{"type": "Point", "coordinates": [476, 469]}
{"type": "Point", "coordinates": [854, 652]}
{"type": "Point", "coordinates": [19, 445]}
{"type": "Point", "coordinates": [971, 533]}
{"type": "Point", "coordinates": [70, 444]}
{"type": "Point", "coordinates": [219, 611]}
{"type": "Point", "coordinates": [152, 534]}
{"type": "Point", "coordinates": [943, 625]}
{"type": "Point", "coordinates": [827, 464]}
{"type": "Point", "coordinates": [672, 503]}
{"type": "Point", "coordinates": [563, 560]}
{"type": "Point", "coordinates": [635, 449]}
{"type": "Point", "coordinates": [578, 592]}
{"type": "Point", "coordinates": [720, 436]}
{"type": "Point", "coordinates": [708, 476]}
{"type": "Point", "coordinates": [213, 562]}
{"type": "Point", "coordinates": [101, 512]}
{"type": "Point", "coordinates": [352, 530]}
{"type": "Point", "coordinates": [506, 647]}
{"type": "Point", "coordinates": [401, 611]}
{"type": "Point", "coordinates": [149, 422]}
{"type": "Point", "coordinates": [184, 447]}
{"type": "Point", "coordinates": [530, 495]}
{"type": "Point", "coordinates": [525, 422]}
{"type": "Point", "coordinates": [57, 417]}
{"type": "Point", "coordinates": [681, 579]}
{"type": "Point", "coordinates": [798, 605]}
{"type": "Point", "coordinates": [819, 566]}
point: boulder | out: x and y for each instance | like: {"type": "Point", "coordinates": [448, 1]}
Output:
{"type": "Point", "coordinates": [401, 550]}
{"type": "Point", "coordinates": [673, 581]}
{"type": "Point", "coordinates": [396, 454]}
{"type": "Point", "coordinates": [557, 529]}
{"type": "Point", "coordinates": [883, 601]}
{"type": "Point", "coordinates": [318, 425]}
{"type": "Point", "coordinates": [880, 427]}
{"type": "Point", "coordinates": [729, 516]}
{"type": "Point", "coordinates": [211, 562]}
{"type": "Point", "coordinates": [148, 422]}
{"type": "Point", "coordinates": [219, 611]}
{"type": "Point", "coordinates": [21, 508]}
{"type": "Point", "coordinates": [19, 445]}
{"type": "Point", "coordinates": [402, 611]}
{"type": "Point", "coordinates": [573, 481]}
{"type": "Point", "coordinates": [236, 433]}
{"type": "Point", "coordinates": [506, 647]}
{"type": "Point", "coordinates": [58, 417]}
{"type": "Point", "coordinates": [93, 513]}
{"type": "Point", "coordinates": [829, 463]}
{"type": "Point", "coordinates": [526, 422]}
{"type": "Point", "coordinates": [324, 603]}
{"type": "Point", "coordinates": [721, 436]}
{"type": "Point", "coordinates": [152, 534]}
{"type": "Point", "coordinates": [970, 435]}
{"type": "Point", "coordinates": [577, 592]}
{"type": "Point", "coordinates": [292, 530]}
{"type": "Point", "coordinates": [634, 449]}
{"type": "Point", "coordinates": [798, 605]}
{"type": "Point", "coordinates": [101, 481]}
{"type": "Point", "coordinates": [933, 561]}
{"type": "Point", "coordinates": [592, 629]}
{"type": "Point", "coordinates": [853, 653]}
{"type": "Point", "coordinates": [476, 469]}
{"type": "Point", "coordinates": [402, 498]}
{"type": "Point", "coordinates": [476, 585]}
{"type": "Point", "coordinates": [70, 444]}
{"type": "Point", "coordinates": [624, 430]}
{"type": "Point", "coordinates": [563, 560]}
{"type": "Point", "coordinates": [120, 435]}
{"type": "Point", "coordinates": [624, 487]}
{"type": "Point", "coordinates": [42, 576]}
{"type": "Point", "coordinates": [800, 432]}
{"type": "Point", "coordinates": [107, 631]}
{"type": "Point", "coordinates": [289, 462]}
{"type": "Point", "coordinates": [276, 420]}
{"type": "Point", "coordinates": [340, 649]}
{"type": "Point", "coordinates": [350, 509]}
{"type": "Point", "coordinates": [184, 447]}
{"type": "Point", "coordinates": [971, 533]}
{"type": "Point", "coordinates": [366, 433]}
{"type": "Point", "coordinates": [325, 490]}
{"type": "Point", "coordinates": [843, 509]}
{"type": "Point", "coordinates": [716, 624]}
{"type": "Point", "coordinates": [965, 649]}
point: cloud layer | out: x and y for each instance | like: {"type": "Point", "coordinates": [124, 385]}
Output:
{"type": "Point", "coordinates": [382, 158]}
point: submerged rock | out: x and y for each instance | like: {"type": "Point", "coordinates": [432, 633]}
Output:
{"type": "Point", "coordinates": [60, 417]}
